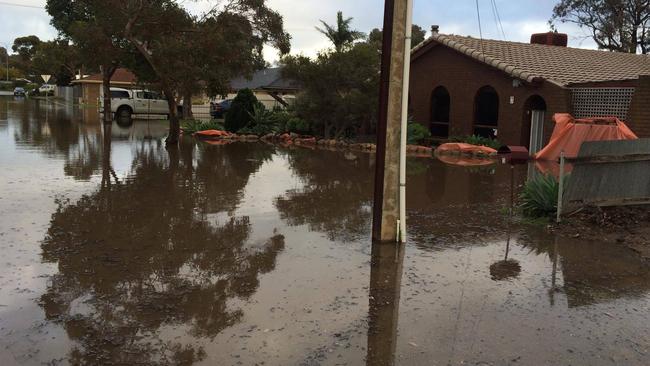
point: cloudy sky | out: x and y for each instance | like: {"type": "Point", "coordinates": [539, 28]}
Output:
{"type": "Point", "coordinates": [519, 19]}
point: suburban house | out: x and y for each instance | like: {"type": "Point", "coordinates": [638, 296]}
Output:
{"type": "Point", "coordinates": [90, 87]}
{"type": "Point", "coordinates": [268, 85]}
{"type": "Point", "coordinates": [509, 90]}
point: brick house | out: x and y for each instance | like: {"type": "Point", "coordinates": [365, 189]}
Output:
{"type": "Point", "coordinates": [90, 87]}
{"type": "Point", "coordinates": [463, 86]}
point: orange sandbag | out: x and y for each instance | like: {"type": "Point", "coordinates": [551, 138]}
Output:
{"type": "Point", "coordinates": [569, 134]}
{"type": "Point", "coordinates": [463, 148]}
{"type": "Point", "coordinates": [212, 133]}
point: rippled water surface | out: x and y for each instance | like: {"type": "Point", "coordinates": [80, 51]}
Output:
{"type": "Point", "coordinates": [117, 251]}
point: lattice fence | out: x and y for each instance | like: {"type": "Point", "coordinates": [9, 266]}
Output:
{"type": "Point", "coordinates": [601, 102]}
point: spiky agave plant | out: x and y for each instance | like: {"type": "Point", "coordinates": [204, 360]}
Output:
{"type": "Point", "coordinates": [539, 196]}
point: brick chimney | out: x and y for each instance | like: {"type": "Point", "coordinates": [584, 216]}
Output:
{"type": "Point", "coordinates": [435, 29]}
{"type": "Point", "coordinates": [550, 39]}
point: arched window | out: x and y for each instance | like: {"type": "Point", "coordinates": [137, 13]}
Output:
{"type": "Point", "coordinates": [440, 101]}
{"type": "Point", "coordinates": [486, 112]}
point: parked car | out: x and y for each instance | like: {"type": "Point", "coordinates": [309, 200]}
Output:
{"type": "Point", "coordinates": [46, 89]}
{"type": "Point", "coordinates": [125, 103]}
{"type": "Point", "coordinates": [19, 92]}
{"type": "Point", "coordinates": [219, 109]}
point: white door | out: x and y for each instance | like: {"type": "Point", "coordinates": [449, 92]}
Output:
{"type": "Point", "coordinates": [536, 131]}
{"type": "Point", "coordinates": [157, 104]}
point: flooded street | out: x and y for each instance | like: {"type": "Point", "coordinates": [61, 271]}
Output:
{"type": "Point", "coordinates": [117, 251]}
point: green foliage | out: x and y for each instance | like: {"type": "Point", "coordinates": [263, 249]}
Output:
{"type": "Point", "coordinates": [262, 122]}
{"type": "Point", "coordinates": [341, 35]}
{"type": "Point", "coordinates": [376, 36]}
{"type": "Point", "coordinates": [297, 125]}
{"type": "Point", "coordinates": [193, 125]}
{"type": "Point", "coordinates": [239, 115]}
{"type": "Point", "coordinates": [539, 197]}
{"type": "Point", "coordinates": [416, 133]}
{"type": "Point", "coordinates": [288, 121]}
{"type": "Point", "coordinates": [619, 25]}
{"type": "Point", "coordinates": [477, 140]}
{"type": "Point", "coordinates": [340, 90]}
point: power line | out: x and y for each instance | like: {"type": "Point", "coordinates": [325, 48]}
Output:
{"type": "Point", "coordinates": [22, 5]}
{"type": "Point", "coordinates": [495, 10]}
{"type": "Point", "coordinates": [480, 29]}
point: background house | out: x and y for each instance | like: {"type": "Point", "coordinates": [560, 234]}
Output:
{"type": "Point", "coordinates": [89, 88]}
{"type": "Point", "coordinates": [463, 86]}
{"type": "Point", "coordinates": [268, 85]}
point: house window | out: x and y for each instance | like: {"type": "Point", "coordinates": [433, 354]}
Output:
{"type": "Point", "coordinates": [440, 102]}
{"type": "Point", "coordinates": [486, 112]}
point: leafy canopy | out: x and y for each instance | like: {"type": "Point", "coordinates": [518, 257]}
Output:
{"type": "Point", "coordinates": [615, 25]}
{"type": "Point", "coordinates": [341, 34]}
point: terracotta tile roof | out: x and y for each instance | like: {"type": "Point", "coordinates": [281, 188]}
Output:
{"type": "Point", "coordinates": [121, 76]}
{"type": "Point", "coordinates": [533, 62]}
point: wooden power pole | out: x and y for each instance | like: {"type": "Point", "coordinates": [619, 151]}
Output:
{"type": "Point", "coordinates": [386, 199]}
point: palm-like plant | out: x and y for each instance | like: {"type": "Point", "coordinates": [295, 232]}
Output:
{"type": "Point", "coordinates": [341, 34]}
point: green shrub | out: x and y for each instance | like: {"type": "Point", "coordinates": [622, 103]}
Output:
{"type": "Point", "coordinates": [539, 196]}
{"type": "Point", "coordinates": [416, 133]}
{"type": "Point", "coordinates": [477, 140]}
{"type": "Point", "coordinates": [193, 125]}
{"type": "Point", "coordinates": [297, 125]}
{"type": "Point", "coordinates": [239, 115]}
{"type": "Point", "coordinates": [261, 122]}
{"type": "Point", "coordinates": [287, 121]}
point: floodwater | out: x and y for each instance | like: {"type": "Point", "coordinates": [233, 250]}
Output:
{"type": "Point", "coordinates": [116, 251]}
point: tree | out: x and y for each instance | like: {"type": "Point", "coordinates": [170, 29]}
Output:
{"type": "Point", "coordinates": [59, 58]}
{"type": "Point", "coordinates": [615, 25]}
{"type": "Point", "coordinates": [95, 27]}
{"type": "Point", "coordinates": [26, 47]}
{"type": "Point", "coordinates": [239, 115]}
{"type": "Point", "coordinates": [340, 90]}
{"type": "Point", "coordinates": [159, 30]}
{"type": "Point", "coordinates": [418, 36]}
{"type": "Point", "coordinates": [341, 34]}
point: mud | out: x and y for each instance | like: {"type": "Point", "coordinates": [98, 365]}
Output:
{"type": "Point", "coordinates": [117, 251]}
{"type": "Point", "coordinates": [625, 226]}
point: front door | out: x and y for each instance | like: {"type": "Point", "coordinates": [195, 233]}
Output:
{"type": "Point", "coordinates": [536, 131]}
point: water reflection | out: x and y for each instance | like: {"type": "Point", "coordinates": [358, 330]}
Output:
{"type": "Point", "coordinates": [383, 309]}
{"type": "Point", "coordinates": [591, 272]}
{"type": "Point", "coordinates": [336, 197]}
{"type": "Point", "coordinates": [137, 256]}
{"type": "Point", "coordinates": [156, 256]}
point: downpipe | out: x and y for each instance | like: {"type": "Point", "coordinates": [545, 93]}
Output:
{"type": "Point", "coordinates": [401, 233]}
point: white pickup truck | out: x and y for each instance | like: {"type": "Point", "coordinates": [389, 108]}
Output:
{"type": "Point", "coordinates": [125, 103]}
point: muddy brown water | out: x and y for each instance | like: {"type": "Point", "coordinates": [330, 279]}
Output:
{"type": "Point", "coordinates": [116, 251]}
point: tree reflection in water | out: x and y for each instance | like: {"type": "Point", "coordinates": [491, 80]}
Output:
{"type": "Point", "coordinates": [336, 198]}
{"type": "Point", "coordinates": [137, 257]}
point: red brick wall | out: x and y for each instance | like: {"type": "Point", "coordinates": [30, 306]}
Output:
{"type": "Point", "coordinates": [639, 113]}
{"type": "Point", "coordinates": [463, 77]}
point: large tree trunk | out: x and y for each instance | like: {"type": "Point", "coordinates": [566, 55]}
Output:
{"type": "Point", "coordinates": [107, 74]}
{"type": "Point", "coordinates": [174, 124]}
{"type": "Point", "coordinates": [187, 106]}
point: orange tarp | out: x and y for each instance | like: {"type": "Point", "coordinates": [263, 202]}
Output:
{"type": "Point", "coordinates": [460, 147]}
{"type": "Point", "coordinates": [570, 133]}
